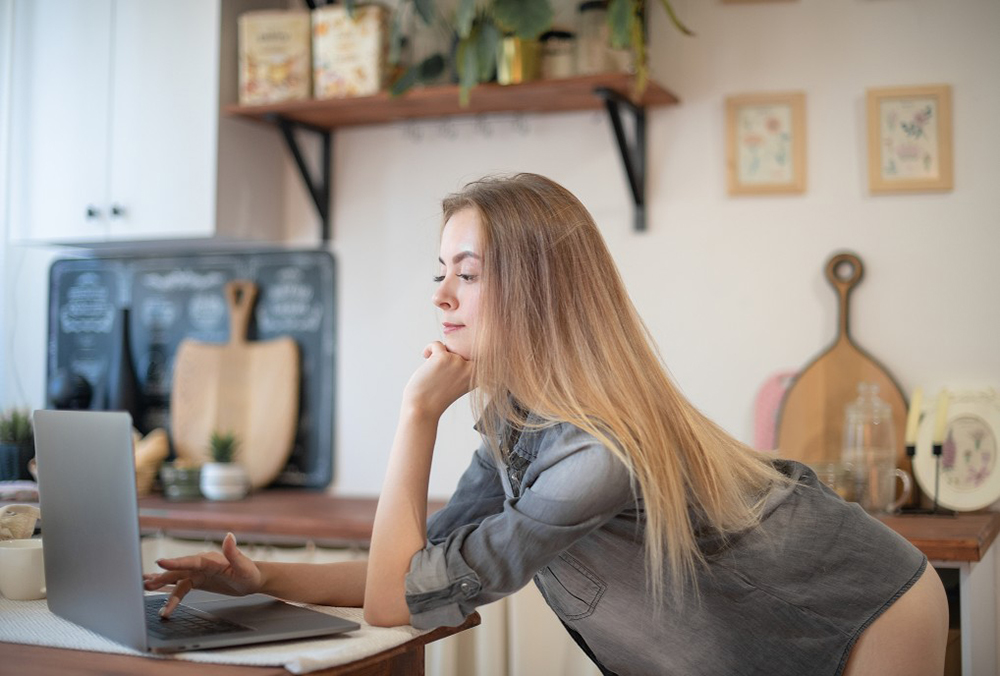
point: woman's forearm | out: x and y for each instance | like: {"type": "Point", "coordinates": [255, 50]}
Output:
{"type": "Point", "coordinates": [400, 528]}
{"type": "Point", "coordinates": [328, 584]}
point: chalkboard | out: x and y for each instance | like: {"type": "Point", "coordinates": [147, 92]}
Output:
{"type": "Point", "coordinates": [177, 296]}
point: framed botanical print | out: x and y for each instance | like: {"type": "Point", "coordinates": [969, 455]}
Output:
{"type": "Point", "coordinates": [766, 143]}
{"type": "Point", "coordinates": [909, 139]}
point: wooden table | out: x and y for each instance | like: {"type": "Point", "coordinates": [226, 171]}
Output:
{"type": "Point", "coordinates": [299, 516]}
{"type": "Point", "coordinates": [964, 542]}
{"type": "Point", "coordinates": [279, 516]}
{"type": "Point", "coordinates": [31, 660]}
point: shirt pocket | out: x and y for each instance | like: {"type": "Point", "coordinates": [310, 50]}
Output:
{"type": "Point", "coordinates": [572, 589]}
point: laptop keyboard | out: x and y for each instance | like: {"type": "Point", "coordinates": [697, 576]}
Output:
{"type": "Point", "coordinates": [184, 623]}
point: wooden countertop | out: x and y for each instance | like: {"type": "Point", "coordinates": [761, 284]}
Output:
{"type": "Point", "coordinates": [275, 515]}
{"type": "Point", "coordinates": [960, 537]}
{"type": "Point", "coordinates": [294, 515]}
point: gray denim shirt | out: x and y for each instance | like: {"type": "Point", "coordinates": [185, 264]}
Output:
{"type": "Point", "coordinates": [790, 597]}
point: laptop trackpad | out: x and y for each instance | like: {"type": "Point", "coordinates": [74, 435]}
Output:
{"type": "Point", "coordinates": [253, 610]}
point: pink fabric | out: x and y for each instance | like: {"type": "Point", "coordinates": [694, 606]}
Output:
{"type": "Point", "coordinates": [766, 407]}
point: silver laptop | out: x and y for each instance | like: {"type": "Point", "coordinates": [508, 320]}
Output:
{"type": "Point", "coordinates": [93, 564]}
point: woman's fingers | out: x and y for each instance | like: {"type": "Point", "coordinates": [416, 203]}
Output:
{"type": "Point", "coordinates": [179, 592]}
{"type": "Point", "coordinates": [205, 562]}
{"type": "Point", "coordinates": [436, 346]}
{"type": "Point", "coordinates": [156, 581]}
{"type": "Point", "coordinates": [242, 565]}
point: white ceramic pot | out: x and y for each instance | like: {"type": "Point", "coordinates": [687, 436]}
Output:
{"type": "Point", "coordinates": [223, 481]}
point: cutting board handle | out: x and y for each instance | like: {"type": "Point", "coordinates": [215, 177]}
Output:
{"type": "Point", "coordinates": [843, 285]}
{"type": "Point", "coordinates": [240, 296]}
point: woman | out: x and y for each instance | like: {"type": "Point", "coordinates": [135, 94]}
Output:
{"type": "Point", "coordinates": [663, 544]}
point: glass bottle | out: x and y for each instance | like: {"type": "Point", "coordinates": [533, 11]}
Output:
{"type": "Point", "coordinates": [869, 452]}
{"type": "Point", "coordinates": [592, 41]}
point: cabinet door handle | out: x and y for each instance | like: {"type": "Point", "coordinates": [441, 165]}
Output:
{"type": "Point", "coordinates": [117, 210]}
{"type": "Point", "coordinates": [92, 212]}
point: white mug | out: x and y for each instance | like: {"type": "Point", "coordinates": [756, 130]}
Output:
{"type": "Point", "coordinates": [22, 569]}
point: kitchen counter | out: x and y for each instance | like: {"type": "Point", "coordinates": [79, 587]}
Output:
{"type": "Point", "coordinates": [274, 515]}
{"type": "Point", "coordinates": [295, 515]}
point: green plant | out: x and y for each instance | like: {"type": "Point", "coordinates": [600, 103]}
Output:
{"type": "Point", "coordinates": [477, 26]}
{"type": "Point", "coordinates": [223, 446]}
{"type": "Point", "coordinates": [15, 427]}
{"type": "Point", "coordinates": [627, 19]}
{"type": "Point", "coordinates": [475, 30]}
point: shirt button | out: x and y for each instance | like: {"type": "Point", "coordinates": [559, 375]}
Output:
{"type": "Point", "coordinates": [465, 587]}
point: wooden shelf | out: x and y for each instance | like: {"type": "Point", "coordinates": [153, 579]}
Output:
{"type": "Point", "coordinates": [610, 91]}
{"type": "Point", "coordinates": [544, 96]}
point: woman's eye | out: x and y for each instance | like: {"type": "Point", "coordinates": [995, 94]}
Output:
{"type": "Point", "coordinates": [438, 279]}
{"type": "Point", "coordinates": [468, 278]}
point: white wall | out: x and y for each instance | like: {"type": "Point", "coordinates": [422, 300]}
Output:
{"type": "Point", "coordinates": [6, 27]}
{"type": "Point", "coordinates": [732, 288]}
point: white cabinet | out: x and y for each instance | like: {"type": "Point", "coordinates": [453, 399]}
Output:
{"type": "Point", "coordinates": [115, 125]}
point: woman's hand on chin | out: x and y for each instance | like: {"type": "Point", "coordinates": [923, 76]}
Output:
{"type": "Point", "coordinates": [439, 382]}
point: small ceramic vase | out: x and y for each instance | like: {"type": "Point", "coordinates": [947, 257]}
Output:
{"type": "Point", "coordinates": [223, 481]}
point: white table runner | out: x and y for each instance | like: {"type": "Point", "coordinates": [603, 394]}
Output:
{"type": "Point", "coordinates": [31, 622]}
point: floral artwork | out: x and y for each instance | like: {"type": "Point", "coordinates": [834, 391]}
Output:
{"type": "Point", "coordinates": [909, 138]}
{"type": "Point", "coordinates": [909, 141]}
{"type": "Point", "coordinates": [766, 143]}
{"type": "Point", "coordinates": [969, 453]}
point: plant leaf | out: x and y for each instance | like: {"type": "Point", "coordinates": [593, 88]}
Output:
{"type": "Point", "coordinates": [431, 68]}
{"type": "Point", "coordinates": [396, 36]}
{"type": "Point", "coordinates": [486, 48]}
{"type": "Point", "coordinates": [425, 8]}
{"type": "Point", "coordinates": [427, 70]}
{"type": "Point", "coordinates": [640, 59]}
{"type": "Point", "coordinates": [527, 19]}
{"type": "Point", "coordinates": [674, 20]}
{"type": "Point", "coordinates": [468, 67]}
{"type": "Point", "coordinates": [621, 17]}
{"type": "Point", "coordinates": [464, 17]}
{"type": "Point", "coordinates": [409, 78]}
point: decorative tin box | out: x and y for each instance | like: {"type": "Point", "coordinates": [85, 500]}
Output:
{"type": "Point", "coordinates": [349, 55]}
{"type": "Point", "coordinates": [274, 56]}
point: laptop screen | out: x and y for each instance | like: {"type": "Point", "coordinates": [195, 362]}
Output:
{"type": "Point", "coordinates": [90, 521]}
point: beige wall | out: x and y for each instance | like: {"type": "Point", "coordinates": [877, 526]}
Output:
{"type": "Point", "coordinates": [732, 288]}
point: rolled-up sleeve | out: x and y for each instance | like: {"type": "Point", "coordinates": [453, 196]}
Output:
{"type": "Point", "coordinates": [573, 486]}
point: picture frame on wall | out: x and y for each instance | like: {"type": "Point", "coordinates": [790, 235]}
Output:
{"type": "Point", "coordinates": [766, 143]}
{"type": "Point", "coordinates": [910, 139]}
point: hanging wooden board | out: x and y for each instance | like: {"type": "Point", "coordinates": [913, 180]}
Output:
{"type": "Point", "coordinates": [248, 388]}
{"type": "Point", "coordinates": [811, 419]}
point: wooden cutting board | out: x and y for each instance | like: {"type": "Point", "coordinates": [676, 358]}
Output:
{"type": "Point", "coordinates": [811, 419]}
{"type": "Point", "coordinates": [249, 389]}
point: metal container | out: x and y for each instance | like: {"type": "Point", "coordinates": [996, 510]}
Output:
{"type": "Point", "coordinates": [518, 60]}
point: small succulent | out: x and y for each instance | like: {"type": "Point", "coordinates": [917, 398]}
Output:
{"type": "Point", "coordinates": [223, 446]}
{"type": "Point", "coordinates": [15, 427]}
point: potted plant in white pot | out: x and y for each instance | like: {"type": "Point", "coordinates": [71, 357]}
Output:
{"type": "Point", "coordinates": [17, 445]}
{"type": "Point", "coordinates": [223, 478]}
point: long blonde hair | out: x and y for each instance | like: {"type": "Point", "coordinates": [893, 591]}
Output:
{"type": "Point", "coordinates": [560, 337]}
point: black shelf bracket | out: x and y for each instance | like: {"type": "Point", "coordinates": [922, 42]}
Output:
{"type": "Point", "coordinates": [319, 190]}
{"type": "Point", "coordinates": [634, 153]}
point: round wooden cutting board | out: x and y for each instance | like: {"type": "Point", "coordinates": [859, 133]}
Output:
{"type": "Point", "coordinates": [811, 419]}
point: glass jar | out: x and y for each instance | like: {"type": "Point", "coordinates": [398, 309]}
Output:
{"type": "Point", "coordinates": [593, 35]}
{"type": "Point", "coordinates": [869, 453]}
{"type": "Point", "coordinates": [558, 54]}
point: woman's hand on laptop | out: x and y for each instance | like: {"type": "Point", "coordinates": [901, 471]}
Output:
{"type": "Point", "coordinates": [231, 572]}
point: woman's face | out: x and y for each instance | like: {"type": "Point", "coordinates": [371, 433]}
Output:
{"type": "Point", "coordinates": [458, 291]}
